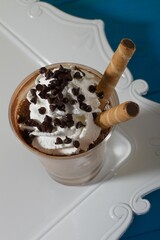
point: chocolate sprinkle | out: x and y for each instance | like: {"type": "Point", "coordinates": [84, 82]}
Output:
{"type": "Point", "coordinates": [79, 124]}
{"type": "Point", "coordinates": [54, 92]}
{"type": "Point", "coordinates": [100, 94]}
{"type": "Point", "coordinates": [34, 100]}
{"type": "Point", "coordinates": [42, 70]}
{"type": "Point", "coordinates": [88, 108]}
{"type": "Point", "coordinates": [58, 101]}
{"type": "Point", "coordinates": [68, 77]}
{"type": "Point", "coordinates": [52, 107]}
{"type": "Point", "coordinates": [32, 122]}
{"type": "Point", "coordinates": [69, 116]}
{"type": "Point", "coordinates": [76, 144]}
{"type": "Point", "coordinates": [48, 119]}
{"type": "Point", "coordinates": [39, 87]}
{"type": "Point", "coordinates": [26, 136]}
{"type": "Point", "coordinates": [43, 127]}
{"type": "Point", "coordinates": [77, 75]}
{"type": "Point", "coordinates": [82, 106]}
{"type": "Point", "coordinates": [81, 98]}
{"type": "Point", "coordinates": [70, 123]}
{"type": "Point", "coordinates": [63, 124]}
{"type": "Point", "coordinates": [33, 92]}
{"type": "Point", "coordinates": [91, 145]}
{"type": "Point", "coordinates": [92, 88]}
{"type": "Point", "coordinates": [67, 140]}
{"type": "Point", "coordinates": [61, 108]}
{"type": "Point", "coordinates": [48, 74]}
{"type": "Point", "coordinates": [64, 70]}
{"type": "Point", "coordinates": [75, 91]}
{"type": "Point", "coordinates": [47, 127]}
{"type": "Point", "coordinates": [42, 110]}
{"type": "Point", "coordinates": [42, 94]}
{"type": "Point", "coordinates": [57, 122]}
{"type": "Point", "coordinates": [50, 128]}
{"type": "Point", "coordinates": [94, 114]}
{"type": "Point", "coordinates": [51, 99]}
{"type": "Point", "coordinates": [76, 68]}
{"type": "Point", "coordinates": [58, 140]}
{"type": "Point", "coordinates": [73, 101]}
{"type": "Point", "coordinates": [59, 80]}
{"type": "Point", "coordinates": [65, 100]}
{"type": "Point", "coordinates": [85, 107]}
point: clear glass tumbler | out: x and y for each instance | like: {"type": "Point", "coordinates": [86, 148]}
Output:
{"type": "Point", "coordinates": [70, 170]}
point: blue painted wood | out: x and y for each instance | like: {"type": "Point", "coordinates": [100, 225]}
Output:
{"type": "Point", "coordinates": [147, 225]}
{"type": "Point", "coordinates": [140, 21]}
{"type": "Point", "coordinates": [146, 236]}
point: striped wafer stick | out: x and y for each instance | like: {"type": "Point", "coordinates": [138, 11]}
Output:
{"type": "Point", "coordinates": [120, 113]}
{"type": "Point", "coordinates": [115, 69]}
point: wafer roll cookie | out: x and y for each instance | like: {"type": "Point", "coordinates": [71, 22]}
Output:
{"type": "Point", "coordinates": [117, 114]}
{"type": "Point", "coordinates": [115, 69]}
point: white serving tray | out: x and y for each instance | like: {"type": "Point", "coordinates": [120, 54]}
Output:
{"type": "Point", "coordinates": [33, 206]}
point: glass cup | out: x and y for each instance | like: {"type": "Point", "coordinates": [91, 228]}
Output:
{"type": "Point", "coordinates": [70, 170]}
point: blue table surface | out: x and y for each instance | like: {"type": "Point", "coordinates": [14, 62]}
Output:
{"type": "Point", "coordinates": [140, 21]}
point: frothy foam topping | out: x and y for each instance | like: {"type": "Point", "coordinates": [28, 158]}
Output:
{"type": "Point", "coordinates": [62, 107]}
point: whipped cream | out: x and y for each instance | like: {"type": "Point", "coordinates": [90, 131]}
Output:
{"type": "Point", "coordinates": [62, 107]}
